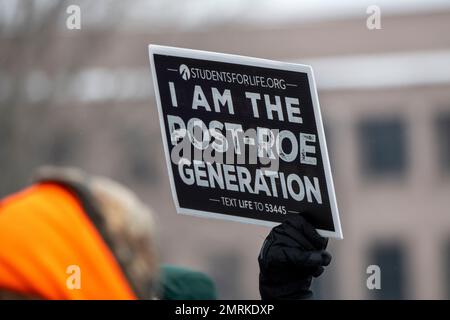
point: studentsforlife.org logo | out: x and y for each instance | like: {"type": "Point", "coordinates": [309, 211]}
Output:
{"type": "Point", "coordinates": [187, 73]}
{"type": "Point", "coordinates": [184, 72]}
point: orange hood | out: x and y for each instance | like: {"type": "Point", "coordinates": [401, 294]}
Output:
{"type": "Point", "coordinates": [43, 231]}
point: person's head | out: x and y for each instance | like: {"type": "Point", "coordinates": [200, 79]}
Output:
{"type": "Point", "coordinates": [75, 236]}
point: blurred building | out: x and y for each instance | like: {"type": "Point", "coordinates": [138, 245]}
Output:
{"type": "Point", "coordinates": [85, 98]}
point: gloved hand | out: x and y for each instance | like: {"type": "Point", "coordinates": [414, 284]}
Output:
{"type": "Point", "coordinates": [291, 255]}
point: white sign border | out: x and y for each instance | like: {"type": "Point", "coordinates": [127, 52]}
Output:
{"type": "Point", "coordinates": [250, 61]}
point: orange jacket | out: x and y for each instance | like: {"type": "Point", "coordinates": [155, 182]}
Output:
{"type": "Point", "coordinates": [44, 231]}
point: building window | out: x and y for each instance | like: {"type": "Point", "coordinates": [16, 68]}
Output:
{"type": "Point", "coordinates": [63, 147]}
{"type": "Point", "coordinates": [391, 260]}
{"type": "Point", "coordinates": [225, 268]}
{"type": "Point", "coordinates": [383, 146]}
{"type": "Point", "coordinates": [328, 130]}
{"type": "Point", "coordinates": [447, 269]}
{"type": "Point", "coordinates": [324, 287]}
{"type": "Point", "coordinates": [443, 140]}
{"type": "Point", "coordinates": [140, 159]}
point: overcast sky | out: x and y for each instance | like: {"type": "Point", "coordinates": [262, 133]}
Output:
{"type": "Point", "coordinates": [196, 14]}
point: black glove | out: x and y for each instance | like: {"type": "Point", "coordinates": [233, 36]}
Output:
{"type": "Point", "coordinates": [291, 255]}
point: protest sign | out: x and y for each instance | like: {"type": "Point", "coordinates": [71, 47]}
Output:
{"type": "Point", "coordinates": [243, 138]}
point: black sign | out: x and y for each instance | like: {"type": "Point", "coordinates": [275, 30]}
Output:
{"type": "Point", "coordinates": [243, 138]}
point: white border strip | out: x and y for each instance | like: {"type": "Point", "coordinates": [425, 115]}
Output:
{"type": "Point", "coordinates": [250, 61]}
{"type": "Point", "coordinates": [400, 69]}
